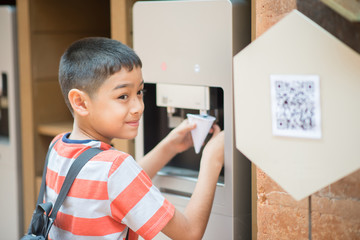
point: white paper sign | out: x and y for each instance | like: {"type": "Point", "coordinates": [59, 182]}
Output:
{"type": "Point", "coordinates": [295, 106]}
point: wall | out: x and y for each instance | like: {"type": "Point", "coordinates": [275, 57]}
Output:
{"type": "Point", "coordinates": [335, 209]}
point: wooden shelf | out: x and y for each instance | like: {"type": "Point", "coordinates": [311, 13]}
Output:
{"type": "Point", "coordinates": [53, 129]}
{"type": "Point", "coordinates": [44, 34]}
{"type": "Point", "coordinates": [4, 102]}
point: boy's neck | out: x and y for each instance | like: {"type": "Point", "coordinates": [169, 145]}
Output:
{"type": "Point", "coordinates": [80, 133]}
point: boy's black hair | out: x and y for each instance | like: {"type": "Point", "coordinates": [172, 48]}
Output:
{"type": "Point", "coordinates": [88, 62]}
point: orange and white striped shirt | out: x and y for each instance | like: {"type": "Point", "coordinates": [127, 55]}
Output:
{"type": "Point", "coordinates": [110, 194]}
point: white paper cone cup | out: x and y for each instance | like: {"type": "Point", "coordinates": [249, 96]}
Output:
{"type": "Point", "coordinates": [203, 126]}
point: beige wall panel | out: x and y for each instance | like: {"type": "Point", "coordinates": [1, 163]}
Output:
{"type": "Point", "coordinates": [349, 9]}
{"type": "Point", "coordinates": [69, 15]}
{"type": "Point", "coordinates": [296, 45]}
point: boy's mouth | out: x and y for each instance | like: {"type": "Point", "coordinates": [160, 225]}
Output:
{"type": "Point", "coordinates": [133, 123]}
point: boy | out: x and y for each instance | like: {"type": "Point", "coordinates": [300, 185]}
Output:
{"type": "Point", "coordinates": [113, 195]}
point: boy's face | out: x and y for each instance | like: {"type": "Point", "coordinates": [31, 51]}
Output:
{"type": "Point", "coordinates": [117, 106]}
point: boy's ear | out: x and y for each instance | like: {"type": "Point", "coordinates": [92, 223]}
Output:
{"type": "Point", "coordinates": [78, 100]}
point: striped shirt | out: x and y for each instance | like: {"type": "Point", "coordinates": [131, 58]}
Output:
{"type": "Point", "coordinates": [110, 194]}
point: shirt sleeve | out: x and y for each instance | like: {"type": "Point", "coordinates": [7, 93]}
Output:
{"type": "Point", "coordinates": [135, 201]}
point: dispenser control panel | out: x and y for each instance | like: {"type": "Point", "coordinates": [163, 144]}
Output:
{"type": "Point", "coordinates": [183, 96]}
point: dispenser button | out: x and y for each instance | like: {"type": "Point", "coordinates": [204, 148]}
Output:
{"type": "Point", "coordinates": [197, 68]}
{"type": "Point", "coordinates": [165, 100]}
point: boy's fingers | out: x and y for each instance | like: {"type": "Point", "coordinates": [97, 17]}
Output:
{"type": "Point", "coordinates": [188, 126]}
{"type": "Point", "coordinates": [192, 126]}
{"type": "Point", "coordinates": [215, 129]}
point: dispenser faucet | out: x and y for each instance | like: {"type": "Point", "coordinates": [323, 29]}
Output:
{"type": "Point", "coordinates": [203, 112]}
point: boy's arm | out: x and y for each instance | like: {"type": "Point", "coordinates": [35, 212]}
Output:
{"type": "Point", "coordinates": [192, 223]}
{"type": "Point", "coordinates": [175, 142]}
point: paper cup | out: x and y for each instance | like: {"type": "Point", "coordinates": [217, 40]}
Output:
{"type": "Point", "coordinates": [203, 126]}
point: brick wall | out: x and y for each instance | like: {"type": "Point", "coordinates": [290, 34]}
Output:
{"type": "Point", "coordinates": [335, 209]}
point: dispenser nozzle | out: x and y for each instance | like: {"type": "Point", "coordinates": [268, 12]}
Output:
{"type": "Point", "coordinates": [170, 111]}
{"type": "Point", "coordinates": [203, 112]}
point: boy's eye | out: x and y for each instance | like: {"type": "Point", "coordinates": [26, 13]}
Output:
{"type": "Point", "coordinates": [141, 92]}
{"type": "Point", "coordinates": [123, 97]}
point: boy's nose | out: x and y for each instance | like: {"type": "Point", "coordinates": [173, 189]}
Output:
{"type": "Point", "coordinates": [137, 106]}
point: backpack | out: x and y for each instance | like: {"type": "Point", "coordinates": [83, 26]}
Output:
{"type": "Point", "coordinates": [44, 214]}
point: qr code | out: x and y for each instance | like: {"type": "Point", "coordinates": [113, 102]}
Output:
{"type": "Point", "coordinates": [295, 101]}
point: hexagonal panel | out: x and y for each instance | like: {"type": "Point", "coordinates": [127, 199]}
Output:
{"type": "Point", "coordinates": [297, 48]}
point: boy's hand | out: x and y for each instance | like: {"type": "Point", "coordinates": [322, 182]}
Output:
{"type": "Point", "coordinates": [180, 137]}
{"type": "Point", "coordinates": [177, 141]}
{"type": "Point", "coordinates": [214, 149]}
